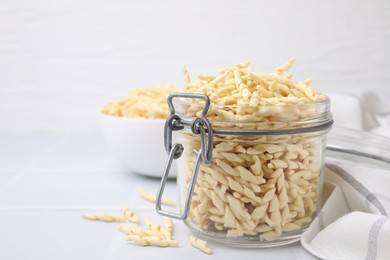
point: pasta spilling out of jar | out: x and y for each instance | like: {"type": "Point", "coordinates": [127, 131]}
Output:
{"type": "Point", "coordinates": [244, 99]}
{"type": "Point", "coordinates": [262, 187]}
{"type": "Point", "coordinates": [149, 102]}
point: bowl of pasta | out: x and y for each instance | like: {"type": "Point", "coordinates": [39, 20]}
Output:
{"type": "Point", "coordinates": [133, 130]}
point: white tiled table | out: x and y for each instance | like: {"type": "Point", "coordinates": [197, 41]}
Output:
{"type": "Point", "coordinates": [48, 180]}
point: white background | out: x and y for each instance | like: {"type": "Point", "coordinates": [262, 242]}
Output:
{"type": "Point", "coordinates": [60, 61]}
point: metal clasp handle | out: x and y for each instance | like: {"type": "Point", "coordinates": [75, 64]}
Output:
{"type": "Point", "coordinates": [199, 126]}
{"type": "Point", "coordinates": [175, 123]}
{"type": "Point", "coordinates": [186, 210]}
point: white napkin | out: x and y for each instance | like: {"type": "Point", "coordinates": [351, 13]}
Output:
{"type": "Point", "coordinates": [365, 110]}
{"type": "Point", "coordinates": [353, 223]}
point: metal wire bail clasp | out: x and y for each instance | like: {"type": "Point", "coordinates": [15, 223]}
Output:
{"type": "Point", "coordinates": [200, 126]}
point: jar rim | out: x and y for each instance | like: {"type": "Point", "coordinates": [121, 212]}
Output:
{"type": "Point", "coordinates": [323, 102]}
{"type": "Point", "coordinates": [313, 117]}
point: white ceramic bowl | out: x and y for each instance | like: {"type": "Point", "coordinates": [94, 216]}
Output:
{"type": "Point", "coordinates": [137, 143]}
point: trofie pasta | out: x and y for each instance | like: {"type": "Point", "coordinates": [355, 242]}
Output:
{"type": "Point", "coordinates": [200, 244]}
{"type": "Point", "coordinates": [130, 216]}
{"type": "Point", "coordinates": [152, 198]}
{"type": "Point", "coordinates": [237, 94]}
{"type": "Point", "coordinates": [100, 216]}
{"type": "Point", "coordinates": [149, 102]}
{"type": "Point", "coordinates": [151, 241]}
{"type": "Point", "coordinates": [257, 187]}
{"type": "Point", "coordinates": [153, 235]}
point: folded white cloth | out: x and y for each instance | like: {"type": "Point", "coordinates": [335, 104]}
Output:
{"type": "Point", "coordinates": [353, 223]}
{"type": "Point", "coordinates": [365, 110]}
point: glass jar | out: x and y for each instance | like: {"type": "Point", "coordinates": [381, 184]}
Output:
{"type": "Point", "coordinates": [247, 176]}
